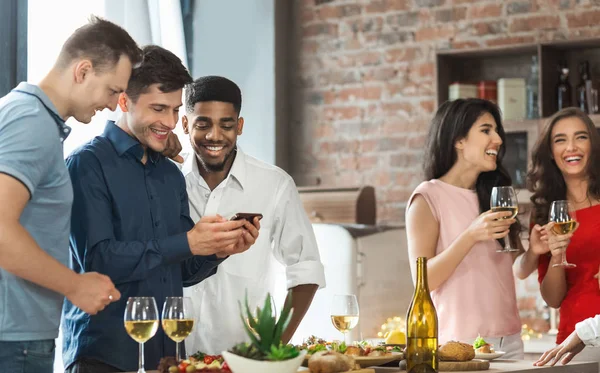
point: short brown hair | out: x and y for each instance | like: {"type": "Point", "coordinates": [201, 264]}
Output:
{"type": "Point", "coordinates": [159, 66]}
{"type": "Point", "coordinates": [102, 42]}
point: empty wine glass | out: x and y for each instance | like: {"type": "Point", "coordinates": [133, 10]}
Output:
{"type": "Point", "coordinates": [504, 198]}
{"type": "Point", "coordinates": [177, 320]}
{"type": "Point", "coordinates": [562, 214]}
{"type": "Point", "coordinates": [344, 313]}
{"type": "Point", "coordinates": [141, 323]}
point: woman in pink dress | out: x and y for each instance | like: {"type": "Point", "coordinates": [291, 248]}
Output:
{"type": "Point", "coordinates": [448, 220]}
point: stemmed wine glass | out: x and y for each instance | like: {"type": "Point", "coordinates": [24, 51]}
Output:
{"type": "Point", "coordinates": [344, 313]}
{"type": "Point", "coordinates": [141, 322]}
{"type": "Point", "coordinates": [562, 214]}
{"type": "Point", "coordinates": [177, 320]}
{"type": "Point", "coordinates": [504, 198]}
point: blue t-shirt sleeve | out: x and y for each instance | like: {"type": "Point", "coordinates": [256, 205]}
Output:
{"type": "Point", "coordinates": [26, 151]}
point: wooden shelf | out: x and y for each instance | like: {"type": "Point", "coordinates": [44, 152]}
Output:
{"type": "Point", "coordinates": [473, 65]}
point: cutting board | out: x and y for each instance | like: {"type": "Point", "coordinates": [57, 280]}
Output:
{"type": "Point", "coordinates": [458, 366]}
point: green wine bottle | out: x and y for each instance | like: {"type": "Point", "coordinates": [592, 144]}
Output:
{"type": "Point", "coordinates": [421, 327]}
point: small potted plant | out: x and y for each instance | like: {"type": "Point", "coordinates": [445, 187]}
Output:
{"type": "Point", "coordinates": [265, 352]}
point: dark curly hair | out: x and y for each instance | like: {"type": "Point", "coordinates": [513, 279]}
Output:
{"type": "Point", "coordinates": [159, 66]}
{"type": "Point", "coordinates": [213, 88]}
{"type": "Point", "coordinates": [544, 178]}
{"type": "Point", "coordinates": [451, 123]}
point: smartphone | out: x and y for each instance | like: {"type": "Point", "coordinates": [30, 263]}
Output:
{"type": "Point", "coordinates": [246, 215]}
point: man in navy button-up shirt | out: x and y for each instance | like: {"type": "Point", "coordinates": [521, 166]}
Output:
{"type": "Point", "coordinates": [131, 221]}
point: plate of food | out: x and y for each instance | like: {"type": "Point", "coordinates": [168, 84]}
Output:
{"type": "Point", "coordinates": [363, 353]}
{"type": "Point", "coordinates": [485, 351]}
{"type": "Point", "coordinates": [489, 356]}
{"type": "Point", "coordinates": [196, 363]}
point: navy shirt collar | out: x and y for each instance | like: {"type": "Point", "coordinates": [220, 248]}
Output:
{"type": "Point", "coordinates": [124, 143]}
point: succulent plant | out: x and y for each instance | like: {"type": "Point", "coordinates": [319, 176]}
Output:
{"type": "Point", "coordinates": [265, 331]}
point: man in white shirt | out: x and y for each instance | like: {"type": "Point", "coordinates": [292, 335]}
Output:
{"type": "Point", "coordinates": [221, 179]}
{"type": "Point", "coordinates": [586, 333]}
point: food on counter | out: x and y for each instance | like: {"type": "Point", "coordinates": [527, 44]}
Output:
{"type": "Point", "coordinates": [362, 348]}
{"type": "Point", "coordinates": [482, 347]}
{"type": "Point", "coordinates": [354, 351]}
{"type": "Point", "coordinates": [395, 337]}
{"type": "Point", "coordinates": [198, 363]}
{"type": "Point", "coordinates": [456, 351]}
{"type": "Point", "coordinates": [331, 362]}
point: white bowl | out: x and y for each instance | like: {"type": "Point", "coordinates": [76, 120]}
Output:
{"type": "Point", "coordinates": [239, 364]}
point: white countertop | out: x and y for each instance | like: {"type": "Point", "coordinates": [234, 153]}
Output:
{"type": "Point", "coordinates": [539, 345]}
{"type": "Point", "coordinates": [522, 366]}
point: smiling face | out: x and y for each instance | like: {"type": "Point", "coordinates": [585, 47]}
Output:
{"type": "Point", "coordinates": [481, 145]}
{"type": "Point", "coordinates": [98, 90]}
{"type": "Point", "coordinates": [213, 127]}
{"type": "Point", "coordinates": [571, 147]}
{"type": "Point", "coordinates": [152, 116]}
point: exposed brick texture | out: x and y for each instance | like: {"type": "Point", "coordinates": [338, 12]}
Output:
{"type": "Point", "coordinates": [364, 79]}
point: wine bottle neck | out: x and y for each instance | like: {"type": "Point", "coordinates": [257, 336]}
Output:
{"type": "Point", "coordinates": [421, 284]}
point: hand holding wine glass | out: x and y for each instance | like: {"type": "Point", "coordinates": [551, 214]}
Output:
{"type": "Point", "coordinates": [141, 322]}
{"type": "Point", "coordinates": [504, 198]}
{"type": "Point", "coordinates": [344, 313]}
{"type": "Point", "coordinates": [177, 320]}
{"type": "Point", "coordinates": [563, 223]}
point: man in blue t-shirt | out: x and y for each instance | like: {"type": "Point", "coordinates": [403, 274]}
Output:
{"type": "Point", "coordinates": [36, 194]}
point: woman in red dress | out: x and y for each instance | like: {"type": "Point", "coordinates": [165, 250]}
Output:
{"type": "Point", "coordinates": [566, 166]}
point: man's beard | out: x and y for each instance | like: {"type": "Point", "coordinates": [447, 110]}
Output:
{"type": "Point", "coordinates": [218, 167]}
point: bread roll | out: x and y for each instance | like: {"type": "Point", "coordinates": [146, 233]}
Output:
{"type": "Point", "coordinates": [456, 351]}
{"type": "Point", "coordinates": [330, 362]}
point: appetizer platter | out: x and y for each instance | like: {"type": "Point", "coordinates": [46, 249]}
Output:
{"type": "Point", "coordinates": [363, 353]}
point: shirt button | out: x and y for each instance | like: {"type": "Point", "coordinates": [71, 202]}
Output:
{"type": "Point", "coordinates": [164, 280]}
{"type": "Point", "coordinates": [151, 197]}
{"type": "Point", "coordinates": [25, 352]}
{"type": "Point", "coordinates": [156, 224]}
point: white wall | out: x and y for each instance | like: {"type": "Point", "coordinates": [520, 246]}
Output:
{"type": "Point", "coordinates": [236, 39]}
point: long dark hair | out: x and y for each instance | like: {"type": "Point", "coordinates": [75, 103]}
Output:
{"type": "Point", "coordinates": [451, 123]}
{"type": "Point", "coordinates": [544, 178]}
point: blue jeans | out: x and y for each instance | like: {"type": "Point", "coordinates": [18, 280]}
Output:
{"type": "Point", "coordinates": [27, 356]}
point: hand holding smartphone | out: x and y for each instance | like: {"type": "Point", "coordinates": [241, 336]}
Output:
{"type": "Point", "coordinates": [246, 215]}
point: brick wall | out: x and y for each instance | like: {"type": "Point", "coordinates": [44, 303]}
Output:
{"type": "Point", "coordinates": [364, 79]}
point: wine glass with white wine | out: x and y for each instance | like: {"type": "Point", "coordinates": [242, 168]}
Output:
{"type": "Point", "coordinates": [562, 214]}
{"type": "Point", "coordinates": [141, 323]}
{"type": "Point", "coordinates": [177, 320]}
{"type": "Point", "coordinates": [344, 313]}
{"type": "Point", "coordinates": [504, 198]}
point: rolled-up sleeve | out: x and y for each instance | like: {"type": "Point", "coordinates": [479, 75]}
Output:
{"type": "Point", "coordinates": [294, 242]}
{"type": "Point", "coordinates": [588, 331]}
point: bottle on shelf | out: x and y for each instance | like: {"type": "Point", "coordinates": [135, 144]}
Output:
{"type": "Point", "coordinates": [421, 327]}
{"type": "Point", "coordinates": [580, 89]}
{"type": "Point", "coordinates": [586, 93]}
{"type": "Point", "coordinates": [533, 90]}
{"type": "Point", "coordinates": [563, 90]}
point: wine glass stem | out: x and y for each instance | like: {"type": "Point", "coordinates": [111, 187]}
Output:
{"type": "Point", "coordinates": [141, 359]}
{"type": "Point", "coordinates": [564, 256]}
{"type": "Point", "coordinates": [177, 351]}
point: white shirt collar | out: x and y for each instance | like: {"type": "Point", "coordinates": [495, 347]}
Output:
{"type": "Point", "coordinates": [238, 169]}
